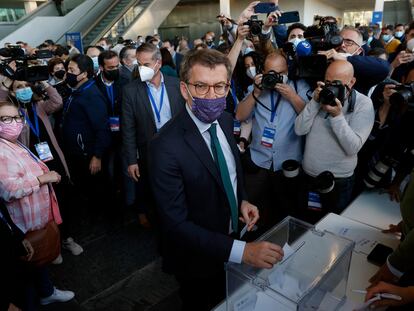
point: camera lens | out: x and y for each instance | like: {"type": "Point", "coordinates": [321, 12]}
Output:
{"type": "Point", "coordinates": [401, 97]}
{"type": "Point", "coordinates": [255, 29]}
{"type": "Point", "coordinates": [290, 168]}
{"type": "Point", "coordinates": [377, 173]}
{"type": "Point", "coordinates": [327, 97]}
{"type": "Point", "coordinates": [325, 182]}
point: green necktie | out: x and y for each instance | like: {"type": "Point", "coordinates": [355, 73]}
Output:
{"type": "Point", "coordinates": [224, 173]}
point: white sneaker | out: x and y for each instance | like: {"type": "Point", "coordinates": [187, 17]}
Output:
{"type": "Point", "coordinates": [58, 260]}
{"type": "Point", "coordinates": [57, 296]}
{"type": "Point", "coordinates": [72, 246]}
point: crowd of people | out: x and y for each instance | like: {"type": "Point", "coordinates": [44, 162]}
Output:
{"type": "Point", "coordinates": [201, 139]}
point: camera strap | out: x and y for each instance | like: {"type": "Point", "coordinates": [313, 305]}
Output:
{"type": "Point", "coordinates": [274, 104]}
{"type": "Point", "coordinates": [351, 101]}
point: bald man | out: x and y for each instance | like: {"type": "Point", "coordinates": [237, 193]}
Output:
{"type": "Point", "coordinates": [335, 133]}
{"type": "Point", "coordinates": [273, 137]}
{"type": "Point", "coordinates": [369, 71]}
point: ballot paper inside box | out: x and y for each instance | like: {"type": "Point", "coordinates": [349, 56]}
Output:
{"type": "Point", "coordinates": [313, 274]}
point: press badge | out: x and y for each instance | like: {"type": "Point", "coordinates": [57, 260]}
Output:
{"type": "Point", "coordinates": [314, 201]}
{"type": "Point", "coordinates": [268, 137]}
{"type": "Point", "coordinates": [236, 127]}
{"type": "Point", "coordinates": [43, 151]}
{"type": "Point", "coordinates": [114, 124]}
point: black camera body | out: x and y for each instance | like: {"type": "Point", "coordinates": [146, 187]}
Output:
{"type": "Point", "coordinates": [255, 25]}
{"type": "Point", "coordinates": [270, 80]}
{"type": "Point", "coordinates": [324, 36]}
{"type": "Point", "coordinates": [331, 91]}
{"type": "Point", "coordinates": [404, 96]}
{"type": "Point", "coordinates": [27, 67]}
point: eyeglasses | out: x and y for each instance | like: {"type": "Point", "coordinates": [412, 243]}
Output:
{"type": "Point", "coordinates": [350, 42]}
{"type": "Point", "coordinates": [203, 89]}
{"type": "Point", "coordinates": [9, 119]}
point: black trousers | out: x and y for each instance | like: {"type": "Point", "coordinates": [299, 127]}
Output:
{"type": "Point", "coordinates": [202, 293]}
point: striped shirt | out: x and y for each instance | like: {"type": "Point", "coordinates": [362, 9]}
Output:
{"type": "Point", "coordinates": [30, 205]}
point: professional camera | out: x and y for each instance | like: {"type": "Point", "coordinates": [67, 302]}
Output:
{"type": "Point", "coordinates": [331, 91]}
{"type": "Point", "coordinates": [28, 68]}
{"type": "Point", "coordinates": [404, 96]}
{"type": "Point", "coordinates": [324, 36]}
{"type": "Point", "coordinates": [377, 173]}
{"type": "Point", "coordinates": [255, 25]}
{"type": "Point", "coordinates": [270, 80]}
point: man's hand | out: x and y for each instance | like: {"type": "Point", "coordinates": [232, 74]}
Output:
{"type": "Point", "coordinates": [394, 192]}
{"type": "Point", "coordinates": [318, 89]}
{"type": "Point", "coordinates": [271, 20]}
{"type": "Point", "coordinates": [95, 165]}
{"type": "Point", "coordinates": [250, 214]}
{"type": "Point", "coordinates": [402, 58]}
{"type": "Point", "coordinates": [262, 254]}
{"type": "Point", "coordinates": [247, 12]}
{"type": "Point", "coordinates": [257, 81]}
{"type": "Point", "coordinates": [334, 111]}
{"type": "Point", "coordinates": [406, 293]}
{"type": "Point", "coordinates": [133, 172]}
{"type": "Point", "coordinates": [286, 91]}
{"type": "Point", "coordinates": [383, 274]}
{"type": "Point", "coordinates": [242, 32]}
{"type": "Point", "coordinates": [393, 228]}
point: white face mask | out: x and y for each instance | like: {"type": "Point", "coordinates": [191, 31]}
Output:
{"type": "Point", "coordinates": [296, 41]}
{"type": "Point", "coordinates": [146, 73]}
{"type": "Point", "coordinates": [410, 45]}
{"type": "Point", "coordinates": [251, 72]}
{"type": "Point", "coordinates": [399, 34]}
{"type": "Point", "coordinates": [247, 50]}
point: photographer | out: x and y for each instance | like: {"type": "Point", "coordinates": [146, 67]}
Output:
{"type": "Point", "coordinates": [275, 102]}
{"type": "Point", "coordinates": [336, 128]}
{"type": "Point", "coordinates": [369, 71]}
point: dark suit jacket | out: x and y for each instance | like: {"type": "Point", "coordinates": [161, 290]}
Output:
{"type": "Point", "coordinates": [137, 117]}
{"type": "Point", "coordinates": [177, 61]}
{"type": "Point", "coordinates": [125, 75]}
{"type": "Point", "coordinates": [190, 197]}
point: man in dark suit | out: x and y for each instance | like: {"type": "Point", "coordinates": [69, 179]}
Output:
{"type": "Point", "coordinates": [147, 105]}
{"type": "Point", "coordinates": [196, 179]}
{"type": "Point", "coordinates": [177, 57]}
{"type": "Point", "coordinates": [128, 60]}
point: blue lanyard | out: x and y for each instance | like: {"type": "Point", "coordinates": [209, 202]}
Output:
{"type": "Point", "coordinates": [233, 94]}
{"type": "Point", "coordinates": [274, 105]}
{"type": "Point", "coordinates": [30, 152]}
{"type": "Point", "coordinates": [110, 93]}
{"type": "Point", "coordinates": [154, 104]}
{"type": "Point", "coordinates": [70, 99]}
{"type": "Point", "coordinates": [34, 128]}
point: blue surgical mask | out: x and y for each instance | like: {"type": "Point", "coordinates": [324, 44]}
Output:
{"type": "Point", "coordinates": [399, 34]}
{"type": "Point", "coordinates": [386, 38]}
{"type": "Point", "coordinates": [370, 40]}
{"type": "Point", "coordinates": [95, 63]}
{"type": "Point", "coordinates": [24, 95]}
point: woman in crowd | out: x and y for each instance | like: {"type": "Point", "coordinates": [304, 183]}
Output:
{"type": "Point", "coordinates": [39, 137]}
{"type": "Point", "coordinates": [26, 188]}
{"type": "Point", "coordinates": [168, 66]}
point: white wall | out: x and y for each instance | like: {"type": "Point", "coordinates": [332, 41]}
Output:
{"type": "Point", "coordinates": [316, 7]}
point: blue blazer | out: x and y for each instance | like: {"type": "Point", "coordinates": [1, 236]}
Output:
{"type": "Point", "coordinates": [190, 197]}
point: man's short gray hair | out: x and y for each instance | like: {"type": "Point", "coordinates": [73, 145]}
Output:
{"type": "Point", "coordinates": [150, 48]}
{"type": "Point", "coordinates": [360, 37]}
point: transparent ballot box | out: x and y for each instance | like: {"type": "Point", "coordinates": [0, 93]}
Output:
{"type": "Point", "coordinates": [313, 274]}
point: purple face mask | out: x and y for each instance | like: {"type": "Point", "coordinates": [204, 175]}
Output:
{"type": "Point", "coordinates": [208, 110]}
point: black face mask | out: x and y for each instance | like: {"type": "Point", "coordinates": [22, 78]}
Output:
{"type": "Point", "coordinates": [111, 75]}
{"type": "Point", "coordinates": [60, 74]}
{"type": "Point", "coordinates": [72, 79]}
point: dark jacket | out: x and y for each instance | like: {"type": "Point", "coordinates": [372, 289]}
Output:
{"type": "Point", "coordinates": [85, 125]}
{"type": "Point", "coordinates": [11, 248]}
{"type": "Point", "coordinates": [368, 71]}
{"type": "Point", "coordinates": [115, 110]}
{"type": "Point", "coordinates": [190, 197]}
{"type": "Point", "coordinates": [137, 117]}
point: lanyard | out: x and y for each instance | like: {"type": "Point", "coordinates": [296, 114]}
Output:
{"type": "Point", "coordinates": [70, 99]}
{"type": "Point", "coordinates": [30, 152]}
{"type": "Point", "coordinates": [275, 104]}
{"type": "Point", "coordinates": [34, 128]}
{"type": "Point", "coordinates": [154, 104]}
{"type": "Point", "coordinates": [110, 93]}
{"type": "Point", "coordinates": [233, 94]}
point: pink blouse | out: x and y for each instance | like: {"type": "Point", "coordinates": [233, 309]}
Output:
{"type": "Point", "coordinates": [30, 205]}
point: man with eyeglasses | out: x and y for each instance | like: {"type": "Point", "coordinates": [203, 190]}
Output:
{"type": "Point", "coordinates": [148, 103]}
{"type": "Point", "coordinates": [369, 71]}
{"type": "Point", "coordinates": [196, 178]}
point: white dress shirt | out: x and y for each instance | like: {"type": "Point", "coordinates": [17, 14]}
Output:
{"type": "Point", "coordinates": [237, 249]}
{"type": "Point", "coordinates": [165, 113]}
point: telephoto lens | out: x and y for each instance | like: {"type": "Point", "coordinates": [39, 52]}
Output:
{"type": "Point", "coordinates": [290, 168]}
{"type": "Point", "coordinates": [376, 174]}
{"type": "Point", "coordinates": [325, 182]}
